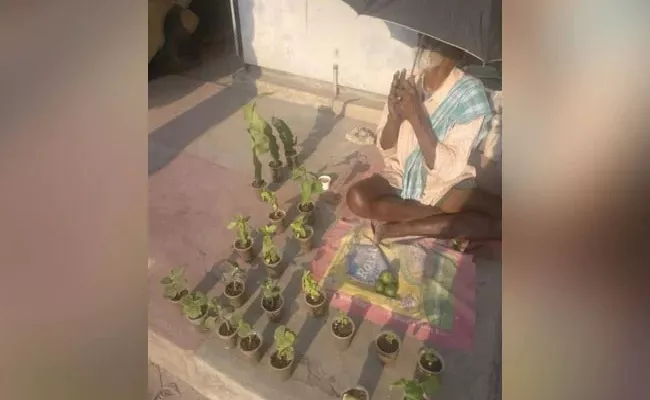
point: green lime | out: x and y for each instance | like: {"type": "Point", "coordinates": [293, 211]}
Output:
{"type": "Point", "coordinates": [390, 290]}
{"type": "Point", "coordinates": [379, 287]}
{"type": "Point", "coordinates": [386, 277]}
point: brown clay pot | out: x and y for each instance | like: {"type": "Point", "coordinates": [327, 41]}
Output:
{"type": "Point", "coordinates": [292, 160]}
{"type": "Point", "coordinates": [282, 373]}
{"type": "Point", "coordinates": [306, 243]}
{"type": "Point", "coordinates": [279, 221]}
{"type": "Point", "coordinates": [199, 321]}
{"type": "Point", "coordinates": [343, 342]}
{"type": "Point", "coordinates": [276, 170]}
{"type": "Point", "coordinates": [229, 338]}
{"type": "Point", "coordinates": [245, 253]}
{"type": "Point", "coordinates": [253, 354]}
{"type": "Point", "coordinates": [236, 300]}
{"type": "Point", "coordinates": [387, 356]}
{"type": "Point", "coordinates": [316, 310]}
{"type": "Point", "coordinates": [274, 315]}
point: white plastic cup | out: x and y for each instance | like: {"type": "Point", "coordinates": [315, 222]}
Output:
{"type": "Point", "coordinates": [325, 181]}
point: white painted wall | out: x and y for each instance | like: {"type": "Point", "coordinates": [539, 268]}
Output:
{"type": "Point", "coordinates": [302, 37]}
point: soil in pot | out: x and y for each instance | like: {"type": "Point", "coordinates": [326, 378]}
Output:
{"type": "Point", "coordinates": [276, 170]}
{"type": "Point", "coordinates": [387, 349]}
{"type": "Point", "coordinates": [250, 346]}
{"type": "Point", "coordinates": [235, 292]}
{"type": "Point", "coordinates": [178, 297]}
{"type": "Point", "coordinates": [282, 366]}
{"type": "Point", "coordinates": [306, 242]}
{"type": "Point", "coordinates": [342, 334]}
{"type": "Point", "coordinates": [426, 368]}
{"type": "Point", "coordinates": [275, 269]}
{"type": "Point", "coordinates": [307, 209]}
{"type": "Point", "coordinates": [357, 393]}
{"type": "Point", "coordinates": [292, 159]}
{"type": "Point", "coordinates": [229, 334]}
{"type": "Point", "coordinates": [316, 306]}
{"type": "Point", "coordinates": [273, 307]}
{"type": "Point", "coordinates": [278, 220]}
{"type": "Point", "coordinates": [244, 250]}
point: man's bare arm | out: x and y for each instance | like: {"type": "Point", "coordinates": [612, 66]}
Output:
{"type": "Point", "coordinates": [427, 139]}
{"type": "Point", "coordinates": [390, 133]}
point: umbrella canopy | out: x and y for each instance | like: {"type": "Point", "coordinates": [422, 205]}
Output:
{"type": "Point", "coordinates": [472, 25]}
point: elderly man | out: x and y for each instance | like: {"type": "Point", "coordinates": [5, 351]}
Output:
{"type": "Point", "coordinates": [431, 123]}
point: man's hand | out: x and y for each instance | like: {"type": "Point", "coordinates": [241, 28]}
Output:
{"type": "Point", "coordinates": [398, 82]}
{"type": "Point", "coordinates": [408, 103]}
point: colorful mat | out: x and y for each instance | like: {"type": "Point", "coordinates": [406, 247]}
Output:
{"type": "Point", "coordinates": [436, 290]}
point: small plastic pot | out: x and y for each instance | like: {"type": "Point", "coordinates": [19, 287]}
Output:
{"type": "Point", "coordinates": [317, 309]}
{"type": "Point", "coordinates": [308, 211]}
{"type": "Point", "coordinates": [274, 315]}
{"type": "Point", "coordinates": [236, 300]}
{"type": "Point", "coordinates": [282, 373]}
{"type": "Point", "coordinates": [245, 253]}
{"type": "Point", "coordinates": [423, 371]}
{"type": "Point", "coordinates": [279, 221]}
{"type": "Point", "coordinates": [386, 355]}
{"type": "Point", "coordinates": [343, 342]}
{"type": "Point", "coordinates": [199, 321]}
{"type": "Point", "coordinates": [359, 392]}
{"type": "Point", "coordinates": [306, 243]}
{"type": "Point", "coordinates": [230, 339]}
{"type": "Point", "coordinates": [253, 354]}
{"type": "Point", "coordinates": [276, 170]}
{"type": "Point", "coordinates": [292, 159]}
{"type": "Point", "coordinates": [275, 269]}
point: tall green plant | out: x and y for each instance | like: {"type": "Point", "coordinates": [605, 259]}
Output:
{"type": "Point", "coordinates": [309, 184]}
{"type": "Point", "coordinates": [310, 286]}
{"type": "Point", "coordinates": [235, 274]}
{"type": "Point", "coordinates": [271, 199]}
{"type": "Point", "coordinates": [284, 340]}
{"type": "Point", "coordinates": [269, 251]}
{"type": "Point", "coordinates": [241, 225]}
{"type": "Point", "coordinates": [299, 226]}
{"type": "Point", "coordinates": [259, 131]}
{"type": "Point", "coordinates": [287, 138]}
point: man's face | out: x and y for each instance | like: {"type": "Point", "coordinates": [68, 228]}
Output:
{"type": "Point", "coordinates": [433, 66]}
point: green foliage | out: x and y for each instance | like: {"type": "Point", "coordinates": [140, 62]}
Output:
{"type": "Point", "coordinates": [222, 314]}
{"type": "Point", "coordinates": [244, 330]}
{"type": "Point", "coordinates": [286, 136]}
{"type": "Point", "coordinates": [342, 319]}
{"type": "Point", "coordinates": [174, 283]}
{"type": "Point", "coordinates": [309, 184]}
{"type": "Point", "coordinates": [310, 286]}
{"type": "Point", "coordinates": [193, 304]}
{"type": "Point", "coordinates": [390, 337]}
{"type": "Point", "coordinates": [299, 226]}
{"type": "Point", "coordinates": [235, 273]}
{"type": "Point", "coordinates": [269, 251]}
{"type": "Point", "coordinates": [414, 390]}
{"type": "Point", "coordinates": [284, 340]}
{"type": "Point", "coordinates": [270, 289]}
{"type": "Point", "coordinates": [270, 198]}
{"type": "Point", "coordinates": [257, 168]}
{"type": "Point", "coordinates": [258, 129]}
{"type": "Point", "coordinates": [429, 355]}
{"type": "Point", "coordinates": [240, 223]}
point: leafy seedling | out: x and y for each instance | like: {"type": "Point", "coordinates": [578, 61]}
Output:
{"type": "Point", "coordinates": [299, 227]}
{"type": "Point", "coordinates": [269, 251]}
{"type": "Point", "coordinates": [241, 225]}
{"type": "Point", "coordinates": [284, 340]}
{"type": "Point", "coordinates": [174, 283]}
{"type": "Point", "coordinates": [310, 287]}
{"type": "Point", "coordinates": [194, 304]}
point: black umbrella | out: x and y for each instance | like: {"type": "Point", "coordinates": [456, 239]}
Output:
{"type": "Point", "coordinates": [471, 25]}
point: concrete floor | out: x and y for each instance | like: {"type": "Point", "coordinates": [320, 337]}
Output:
{"type": "Point", "coordinates": [163, 385]}
{"type": "Point", "coordinates": [199, 176]}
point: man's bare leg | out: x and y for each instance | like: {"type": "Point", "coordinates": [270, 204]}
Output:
{"type": "Point", "coordinates": [464, 225]}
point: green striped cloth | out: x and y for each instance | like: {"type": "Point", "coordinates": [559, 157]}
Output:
{"type": "Point", "coordinates": [465, 102]}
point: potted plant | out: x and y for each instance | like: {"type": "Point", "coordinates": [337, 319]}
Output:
{"type": "Point", "coordinates": [430, 362]}
{"type": "Point", "coordinates": [227, 323]}
{"type": "Point", "coordinates": [235, 280]}
{"type": "Point", "coordinates": [309, 185]}
{"type": "Point", "coordinates": [357, 393]}
{"type": "Point", "coordinates": [388, 346]}
{"type": "Point", "coordinates": [288, 140]}
{"type": "Point", "coordinates": [343, 330]}
{"type": "Point", "coordinates": [415, 390]}
{"type": "Point", "coordinates": [243, 244]}
{"type": "Point", "coordinates": [249, 341]}
{"type": "Point", "coordinates": [314, 296]}
{"type": "Point", "coordinates": [303, 232]}
{"type": "Point", "coordinates": [175, 285]}
{"type": "Point", "coordinates": [259, 131]}
{"type": "Point", "coordinates": [270, 254]}
{"type": "Point", "coordinates": [284, 355]}
{"type": "Point", "coordinates": [276, 216]}
{"type": "Point", "coordinates": [272, 300]}
{"type": "Point", "coordinates": [275, 164]}
{"type": "Point", "coordinates": [195, 307]}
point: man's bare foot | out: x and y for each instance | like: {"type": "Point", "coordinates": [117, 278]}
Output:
{"type": "Point", "coordinates": [377, 231]}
